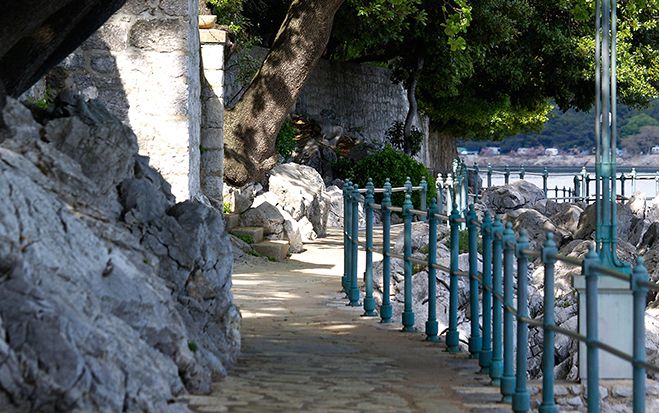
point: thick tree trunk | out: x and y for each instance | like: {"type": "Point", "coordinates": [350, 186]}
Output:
{"type": "Point", "coordinates": [251, 127]}
{"type": "Point", "coordinates": [442, 149]}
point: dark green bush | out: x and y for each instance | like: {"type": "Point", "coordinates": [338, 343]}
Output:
{"type": "Point", "coordinates": [397, 166]}
{"type": "Point", "coordinates": [411, 144]}
{"type": "Point", "coordinates": [286, 139]}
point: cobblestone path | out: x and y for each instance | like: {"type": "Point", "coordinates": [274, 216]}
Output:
{"type": "Point", "coordinates": [304, 350]}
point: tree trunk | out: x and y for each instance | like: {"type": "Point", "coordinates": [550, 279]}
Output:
{"type": "Point", "coordinates": [251, 127]}
{"type": "Point", "coordinates": [411, 98]}
{"type": "Point", "coordinates": [442, 149]}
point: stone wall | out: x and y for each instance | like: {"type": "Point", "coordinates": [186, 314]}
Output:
{"type": "Point", "coordinates": [212, 121]}
{"type": "Point", "coordinates": [143, 64]}
{"type": "Point", "coordinates": [359, 100]}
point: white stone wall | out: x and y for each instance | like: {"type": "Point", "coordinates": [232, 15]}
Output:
{"type": "Point", "coordinates": [143, 64]}
{"type": "Point", "coordinates": [212, 124]}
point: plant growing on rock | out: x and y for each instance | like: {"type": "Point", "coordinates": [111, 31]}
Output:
{"type": "Point", "coordinates": [397, 166]}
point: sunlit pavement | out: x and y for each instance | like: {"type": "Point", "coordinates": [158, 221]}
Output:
{"type": "Point", "coordinates": [305, 350]}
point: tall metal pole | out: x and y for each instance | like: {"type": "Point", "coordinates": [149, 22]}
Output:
{"type": "Point", "coordinates": [605, 133]}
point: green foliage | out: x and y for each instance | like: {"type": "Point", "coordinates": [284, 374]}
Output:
{"type": "Point", "coordinates": [226, 207]}
{"type": "Point", "coordinates": [397, 166]}
{"type": "Point", "coordinates": [635, 123]}
{"type": "Point", "coordinates": [463, 243]}
{"type": "Point", "coordinates": [193, 346]}
{"type": "Point", "coordinates": [42, 102]}
{"type": "Point", "coordinates": [285, 144]}
{"type": "Point", "coordinates": [574, 129]}
{"type": "Point", "coordinates": [411, 144]}
{"type": "Point", "coordinates": [247, 239]}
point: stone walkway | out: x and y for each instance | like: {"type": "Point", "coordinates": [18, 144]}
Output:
{"type": "Point", "coordinates": [304, 350]}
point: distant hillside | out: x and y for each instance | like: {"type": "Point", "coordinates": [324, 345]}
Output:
{"type": "Point", "coordinates": [574, 129]}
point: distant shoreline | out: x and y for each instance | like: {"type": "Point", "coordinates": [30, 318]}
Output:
{"type": "Point", "coordinates": [646, 163]}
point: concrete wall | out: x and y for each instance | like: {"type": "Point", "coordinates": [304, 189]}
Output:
{"type": "Point", "coordinates": [143, 64]}
{"type": "Point", "coordinates": [360, 100]}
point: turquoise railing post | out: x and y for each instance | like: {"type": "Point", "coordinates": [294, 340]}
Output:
{"type": "Point", "coordinates": [453, 337]}
{"type": "Point", "coordinates": [475, 339]}
{"type": "Point", "coordinates": [522, 397]}
{"type": "Point", "coordinates": [508, 377]}
{"type": "Point", "coordinates": [385, 308]}
{"type": "Point", "coordinates": [476, 188]}
{"type": "Point", "coordinates": [369, 301]}
{"type": "Point", "coordinates": [408, 312]}
{"type": "Point", "coordinates": [485, 357]}
{"type": "Point", "coordinates": [440, 194]}
{"type": "Point", "coordinates": [354, 284]}
{"type": "Point", "coordinates": [549, 252]}
{"type": "Point", "coordinates": [432, 327]}
{"type": "Point", "coordinates": [506, 175]}
{"type": "Point", "coordinates": [347, 233]}
{"type": "Point", "coordinates": [408, 186]}
{"type": "Point", "coordinates": [622, 184]}
{"type": "Point", "coordinates": [489, 175]}
{"type": "Point", "coordinates": [592, 333]}
{"type": "Point", "coordinates": [423, 195]}
{"type": "Point", "coordinates": [496, 366]}
{"type": "Point", "coordinates": [545, 176]}
{"type": "Point", "coordinates": [522, 172]}
{"type": "Point", "coordinates": [639, 277]}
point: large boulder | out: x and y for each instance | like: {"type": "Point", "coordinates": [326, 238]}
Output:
{"type": "Point", "coordinates": [536, 226]}
{"type": "Point", "coordinates": [113, 298]}
{"type": "Point", "coordinates": [519, 194]}
{"type": "Point", "coordinates": [301, 191]}
{"type": "Point", "coordinates": [265, 215]}
{"type": "Point", "coordinates": [625, 221]}
{"type": "Point", "coordinates": [335, 213]}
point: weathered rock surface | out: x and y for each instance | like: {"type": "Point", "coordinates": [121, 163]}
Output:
{"type": "Point", "coordinates": [302, 193]}
{"type": "Point", "coordinates": [519, 194]}
{"type": "Point", "coordinates": [111, 297]}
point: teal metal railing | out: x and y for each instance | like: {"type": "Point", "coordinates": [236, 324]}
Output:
{"type": "Point", "coordinates": [582, 188]}
{"type": "Point", "coordinates": [491, 292]}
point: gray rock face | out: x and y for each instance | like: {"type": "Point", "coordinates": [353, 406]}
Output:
{"type": "Point", "coordinates": [537, 226]}
{"type": "Point", "coordinates": [265, 215]}
{"type": "Point", "coordinates": [519, 194]}
{"type": "Point", "coordinates": [335, 214]}
{"type": "Point", "coordinates": [301, 191]}
{"type": "Point", "coordinates": [625, 222]}
{"type": "Point", "coordinates": [111, 297]}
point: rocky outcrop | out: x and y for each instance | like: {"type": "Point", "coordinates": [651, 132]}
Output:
{"type": "Point", "coordinates": [302, 193]}
{"type": "Point", "coordinates": [519, 194]}
{"type": "Point", "coordinates": [37, 34]}
{"type": "Point", "coordinates": [112, 298]}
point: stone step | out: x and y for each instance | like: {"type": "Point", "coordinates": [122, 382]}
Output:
{"type": "Point", "coordinates": [255, 233]}
{"type": "Point", "coordinates": [273, 249]}
{"type": "Point", "coordinates": [231, 221]}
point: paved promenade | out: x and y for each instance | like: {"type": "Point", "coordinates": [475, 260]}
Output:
{"type": "Point", "coordinates": [304, 350]}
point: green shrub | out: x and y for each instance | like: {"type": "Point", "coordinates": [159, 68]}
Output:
{"type": "Point", "coordinates": [411, 144]}
{"type": "Point", "coordinates": [226, 207]}
{"type": "Point", "coordinates": [397, 166]}
{"type": "Point", "coordinates": [286, 139]}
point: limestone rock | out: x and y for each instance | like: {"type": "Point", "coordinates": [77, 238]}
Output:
{"type": "Point", "coordinates": [301, 191]}
{"type": "Point", "coordinates": [537, 226]}
{"type": "Point", "coordinates": [519, 194]}
{"type": "Point", "coordinates": [265, 215]}
{"type": "Point", "coordinates": [114, 298]}
{"type": "Point", "coordinates": [625, 221]}
{"type": "Point", "coordinates": [335, 213]}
